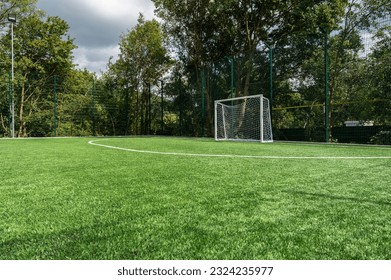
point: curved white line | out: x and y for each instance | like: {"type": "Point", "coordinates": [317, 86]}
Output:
{"type": "Point", "coordinates": [232, 156]}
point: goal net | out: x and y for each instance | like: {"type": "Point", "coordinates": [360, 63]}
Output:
{"type": "Point", "coordinates": [243, 119]}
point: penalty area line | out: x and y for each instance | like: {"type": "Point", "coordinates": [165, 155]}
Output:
{"type": "Point", "coordinates": [92, 142]}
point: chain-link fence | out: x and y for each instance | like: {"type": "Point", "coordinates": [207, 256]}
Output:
{"type": "Point", "coordinates": [320, 89]}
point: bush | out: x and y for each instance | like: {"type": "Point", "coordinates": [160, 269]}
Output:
{"type": "Point", "coordinates": [382, 138]}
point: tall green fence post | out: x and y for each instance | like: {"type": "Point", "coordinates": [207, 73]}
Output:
{"type": "Point", "coordinates": [93, 107]}
{"type": "Point", "coordinates": [149, 108]}
{"type": "Point", "coordinates": [203, 102]}
{"type": "Point", "coordinates": [270, 79]}
{"type": "Point", "coordinates": [127, 129]}
{"type": "Point", "coordinates": [231, 60]}
{"type": "Point", "coordinates": [326, 85]}
{"type": "Point", "coordinates": [54, 106]}
{"type": "Point", "coordinates": [162, 106]}
{"type": "Point", "coordinates": [271, 74]}
{"type": "Point", "coordinates": [180, 105]}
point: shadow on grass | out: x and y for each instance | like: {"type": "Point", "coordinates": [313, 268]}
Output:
{"type": "Point", "coordinates": [338, 197]}
{"type": "Point", "coordinates": [88, 242]}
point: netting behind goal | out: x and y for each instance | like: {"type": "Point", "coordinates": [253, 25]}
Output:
{"type": "Point", "coordinates": [243, 119]}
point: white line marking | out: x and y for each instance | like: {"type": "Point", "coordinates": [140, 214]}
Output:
{"type": "Point", "coordinates": [232, 156]}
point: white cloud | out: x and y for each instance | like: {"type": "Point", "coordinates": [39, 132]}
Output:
{"type": "Point", "coordinates": [95, 58]}
{"type": "Point", "coordinates": [120, 9]}
{"type": "Point", "coordinates": [96, 26]}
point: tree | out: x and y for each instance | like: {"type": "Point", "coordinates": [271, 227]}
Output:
{"type": "Point", "coordinates": [348, 67]}
{"type": "Point", "coordinates": [20, 8]}
{"type": "Point", "coordinates": [208, 32]}
{"type": "Point", "coordinates": [74, 104]}
{"type": "Point", "coordinates": [43, 49]}
{"type": "Point", "coordinates": [143, 59]}
{"type": "Point", "coordinates": [379, 77]}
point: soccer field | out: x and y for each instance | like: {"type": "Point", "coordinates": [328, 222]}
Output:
{"type": "Point", "coordinates": [181, 198]}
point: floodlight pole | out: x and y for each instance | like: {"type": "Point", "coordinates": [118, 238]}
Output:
{"type": "Point", "coordinates": [12, 20]}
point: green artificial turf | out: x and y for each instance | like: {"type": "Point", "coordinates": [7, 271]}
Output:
{"type": "Point", "coordinates": [66, 199]}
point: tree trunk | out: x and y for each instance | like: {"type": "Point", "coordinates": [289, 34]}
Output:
{"type": "Point", "coordinates": [249, 69]}
{"type": "Point", "coordinates": [3, 123]}
{"type": "Point", "coordinates": [209, 105]}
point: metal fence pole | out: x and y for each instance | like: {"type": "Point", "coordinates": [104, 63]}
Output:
{"type": "Point", "coordinates": [326, 85]}
{"type": "Point", "coordinates": [162, 107]}
{"type": "Point", "coordinates": [54, 106]}
{"type": "Point", "coordinates": [203, 101]}
{"type": "Point", "coordinates": [93, 107]}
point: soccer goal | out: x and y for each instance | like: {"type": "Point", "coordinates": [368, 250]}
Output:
{"type": "Point", "coordinates": [243, 119]}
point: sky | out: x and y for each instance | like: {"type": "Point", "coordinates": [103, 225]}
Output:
{"type": "Point", "coordinates": [96, 26]}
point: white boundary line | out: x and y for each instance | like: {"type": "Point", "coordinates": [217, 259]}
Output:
{"type": "Point", "coordinates": [92, 142]}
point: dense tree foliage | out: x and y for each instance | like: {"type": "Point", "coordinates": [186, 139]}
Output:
{"type": "Point", "coordinates": [207, 32]}
{"type": "Point", "coordinates": [142, 61]}
{"type": "Point", "coordinates": [42, 50]}
{"type": "Point", "coordinates": [169, 72]}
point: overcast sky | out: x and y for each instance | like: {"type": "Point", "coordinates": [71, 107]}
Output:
{"type": "Point", "coordinates": [96, 26]}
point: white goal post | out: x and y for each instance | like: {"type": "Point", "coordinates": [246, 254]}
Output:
{"type": "Point", "coordinates": [243, 119]}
